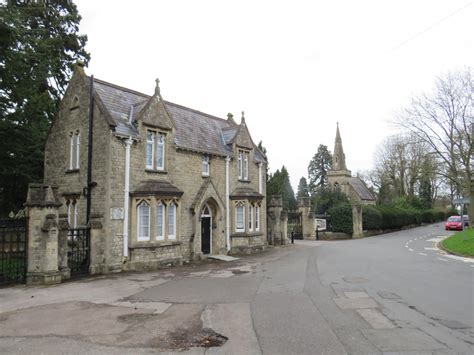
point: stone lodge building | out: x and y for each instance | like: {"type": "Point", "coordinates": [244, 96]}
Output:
{"type": "Point", "coordinates": [340, 177]}
{"type": "Point", "coordinates": [168, 183]}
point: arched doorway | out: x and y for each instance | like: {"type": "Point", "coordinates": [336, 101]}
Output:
{"type": "Point", "coordinates": [206, 230]}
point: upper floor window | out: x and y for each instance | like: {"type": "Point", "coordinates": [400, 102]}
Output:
{"type": "Point", "coordinates": [143, 225]}
{"type": "Point", "coordinates": [243, 165]}
{"type": "Point", "coordinates": [205, 165]}
{"type": "Point", "coordinates": [155, 150]}
{"type": "Point", "coordinates": [74, 150]}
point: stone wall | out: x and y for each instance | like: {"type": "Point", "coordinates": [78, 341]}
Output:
{"type": "Point", "coordinates": [277, 222]}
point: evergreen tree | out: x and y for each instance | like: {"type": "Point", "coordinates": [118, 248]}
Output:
{"type": "Point", "coordinates": [318, 168]}
{"type": "Point", "coordinates": [39, 44]}
{"type": "Point", "coordinates": [326, 197]}
{"type": "Point", "coordinates": [279, 184]}
{"type": "Point", "coordinates": [303, 189]}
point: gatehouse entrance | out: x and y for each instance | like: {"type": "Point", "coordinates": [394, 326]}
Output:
{"type": "Point", "coordinates": [206, 230]}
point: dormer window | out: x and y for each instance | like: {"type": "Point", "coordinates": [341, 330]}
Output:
{"type": "Point", "coordinates": [205, 165]}
{"type": "Point", "coordinates": [243, 165]}
{"type": "Point", "coordinates": [155, 150]}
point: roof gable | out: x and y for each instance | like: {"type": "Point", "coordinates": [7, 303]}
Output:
{"type": "Point", "coordinates": [361, 189]}
{"type": "Point", "coordinates": [242, 137]}
{"type": "Point", "coordinates": [155, 114]}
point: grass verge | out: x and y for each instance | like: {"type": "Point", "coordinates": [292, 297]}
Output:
{"type": "Point", "coordinates": [461, 243]}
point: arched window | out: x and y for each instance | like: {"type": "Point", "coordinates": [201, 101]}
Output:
{"type": "Point", "coordinates": [206, 211]}
{"type": "Point", "coordinates": [172, 221]}
{"type": "Point", "coordinates": [257, 218]}
{"type": "Point", "coordinates": [143, 225]}
{"type": "Point", "coordinates": [160, 221]}
{"type": "Point", "coordinates": [240, 217]}
{"type": "Point", "coordinates": [250, 217]}
{"type": "Point", "coordinates": [72, 213]}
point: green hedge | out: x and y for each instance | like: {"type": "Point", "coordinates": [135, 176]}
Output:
{"type": "Point", "coordinates": [382, 217]}
{"type": "Point", "coordinates": [341, 218]}
{"type": "Point", "coordinates": [389, 217]}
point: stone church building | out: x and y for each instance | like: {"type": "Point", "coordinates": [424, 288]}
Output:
{"type": "Point", "coordinates": [340, 177]}
{"type": "Point", "coordinates": [167, 183]}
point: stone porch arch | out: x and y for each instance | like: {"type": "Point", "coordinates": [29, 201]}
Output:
{"type": "Point", "coordinates": [208, 196]}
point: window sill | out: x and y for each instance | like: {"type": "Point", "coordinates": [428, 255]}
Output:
{"type": "Point", "coordinates": [72, 171]}
{"type": "Point", "coordinates": [246, 234]}
{"type": "Point", "coordinates": [245, 181]}
{"type": "Point", "coordinates": [204, 176]}
{"type": "Point", "coordinates": [154, 244]}
{"type": "Point", "coordinates": [156, 171]}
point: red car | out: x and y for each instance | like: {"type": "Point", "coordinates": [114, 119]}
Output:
{"type": "Point", "coordinates": [454, 223]}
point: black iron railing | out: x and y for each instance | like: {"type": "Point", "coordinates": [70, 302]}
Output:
{"type": "Point", "coordinates": [13, 251]}
{"type": "Point", "coordinates": [78, 255]}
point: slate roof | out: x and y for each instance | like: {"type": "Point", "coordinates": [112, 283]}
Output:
{"type": "Point", "coordinates": [245, 193]}
{"type": "Point", "coordinates": [195, 130]}
{"type": "Point", "coordinates": [161, 187]}
{"type": "Point", "coordinates": [361, 189]}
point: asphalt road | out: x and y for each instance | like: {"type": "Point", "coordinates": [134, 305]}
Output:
{"type": "Point", "coordinates": [393, 293]}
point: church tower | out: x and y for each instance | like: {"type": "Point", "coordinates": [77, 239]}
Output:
{"type": "Point", "coordinates": [339, 175]}
{"type": "Point", "coordinates": [338, 159]}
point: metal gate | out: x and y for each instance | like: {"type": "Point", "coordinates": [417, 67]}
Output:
{"type": "Point", "coordinates": [294, 225]}
{"type": "Point", "coordinates": [13, 251]}
{"type": "Point", "coordinates": [79, 251]}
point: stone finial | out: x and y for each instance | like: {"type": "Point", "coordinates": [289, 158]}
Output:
{"type": "Point", "coordinates": [304, 202]}
{"type": "Point", "coordinates": [242, 120]}
{"type": "Point", "coordinates": [157, 87]}
{"type": "Point", "coordinates": [276, 201]}
{"type": "Point", "coordinates": [230, 116]}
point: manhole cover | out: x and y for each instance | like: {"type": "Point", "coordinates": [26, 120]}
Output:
{"type": "Point", "coordinates": [355, 280]}
{"type": "Point", "coordinates": [388, 295]}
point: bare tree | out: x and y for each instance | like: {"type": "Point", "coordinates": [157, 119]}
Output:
{"type": "Point", "coordinates": [443, 120]}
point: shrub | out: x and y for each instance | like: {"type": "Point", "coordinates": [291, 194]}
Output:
{"type": "Point", "coordinates": [341, 218]}
{"type": "Point", "coordinates": [371, 218]}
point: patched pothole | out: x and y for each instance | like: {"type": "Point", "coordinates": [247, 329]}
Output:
{"type": "Point", "coordinates": [188, 338]}
{"type": "Point", "coordinates": [355, 279]}
{"type": "Point", "coordinates": [136, 317]}
{"type": "Point", "coordinates": [239, 272]}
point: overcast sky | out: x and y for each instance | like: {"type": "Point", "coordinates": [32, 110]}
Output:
{"type": "Point", "coordinates": [295, 67]}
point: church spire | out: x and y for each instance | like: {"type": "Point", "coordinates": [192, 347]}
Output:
{"type": "Point", "coordinates": [338, 158]}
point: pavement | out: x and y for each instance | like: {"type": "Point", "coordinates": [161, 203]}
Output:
{"type": "Point", "coordinates": [367, 296]}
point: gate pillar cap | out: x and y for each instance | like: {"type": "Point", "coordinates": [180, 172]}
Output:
{"type": "Point", "coordinates": [40, 195]}
{"type": "Point", "coordinates": [276, 201]}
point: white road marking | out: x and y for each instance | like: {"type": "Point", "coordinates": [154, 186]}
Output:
{"type": "Point", "coordinates": [437, 239]}
{"type": "Point", "coordinates": [422, 254]}
{"type": "Point", "coordinates": [431, 249]}
{"type": "Point", "coordinates": [460, 258]}
{"type": "Point", "coordinates": [446, 260]}
{"type": "Point", "coordinates": [406, 246]}
{"type": "Point", "coordinates": [410, 249]}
